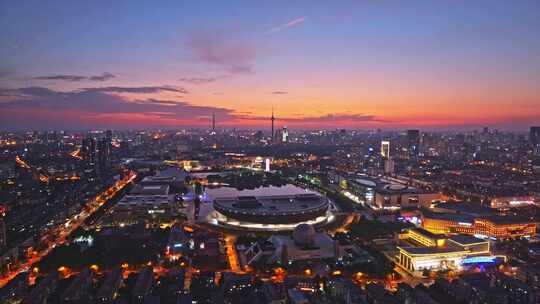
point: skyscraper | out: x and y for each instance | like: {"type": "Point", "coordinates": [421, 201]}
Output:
{"type": "Point", "coordinates": [108, 136]}
{"type": "Point", "coordinates": [285, 135]}
{"type": "Point", "coordinates": [214, 123]}
{"type": "Point", "coordinates": [534, 136]}
{"type": "Point", "coordinates": [385, 149]}
{"type": "Point", "coordinates": [88, 150]}
{"type": "Point", "coordinates": [103, 154]}
{"type": "Point", "coordinates": [413, 139]}
{"type": "Point", "coordinates": [3, 236]}
{"type": "Point", "coordinates": [389, 166]}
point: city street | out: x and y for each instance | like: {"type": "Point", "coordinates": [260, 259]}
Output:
{"type": "Point", "coordinates": [75, 222]}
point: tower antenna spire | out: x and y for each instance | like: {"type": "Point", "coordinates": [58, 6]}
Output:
{"type": "Point", "coordinates": [273, 118]}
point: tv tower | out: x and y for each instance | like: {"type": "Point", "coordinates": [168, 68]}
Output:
{"type": "Point", "coordinates": [273, 118]}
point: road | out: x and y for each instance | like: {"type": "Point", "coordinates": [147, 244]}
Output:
{"type": "Point", "coordinates": [74, 222]}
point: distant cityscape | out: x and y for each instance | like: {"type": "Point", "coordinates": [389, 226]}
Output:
{"type": "Point", "coordinates": [269, 152]}
{"type": "Point", "coordinates": [282, 216]}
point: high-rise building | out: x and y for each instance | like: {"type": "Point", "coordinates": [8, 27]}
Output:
{"type": "Point", "coordinates": [385, 149]}
{"type": "Point", "coordinates": [108, 135]}
{"type": "Point", "coordinates": [88, 150]}
{"type": "Point", "coordinates": [103, 154]}
{"type": "Point", "coordinates": [3, 235]}
{"type": "Point", "coordinates": [139, 140]}
{"type": "Point", "coordinates": [284, 135]}
{"type": "Point", "coordinates": [214, 123]}
{"type": "Point", "coordinates": [267, 165]}
{"type": "Point", "coordinates": [413, 139]}
{"type": "Point", "coordinates": [389, 166]}
{"type": "Point", "coordinates": [534, 136]}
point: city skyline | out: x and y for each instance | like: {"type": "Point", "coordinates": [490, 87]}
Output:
{"type": "Point", "coordinates": [124, 65]}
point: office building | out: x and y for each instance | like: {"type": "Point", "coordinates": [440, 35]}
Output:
{"type": "Point", "coordinates": [88, 150]}
{"type": "Point", "coordinates": [413, 141]}
{"type": "Point", "coordinates": [103, 155]}
{"type": "Point", "coordinates": [385, 149]}
{"type": "Point", "coordinates": [388, 194]}
{"type": "Point", "coordinates": [534, 136]}
{"type": "Point", "coordinates": [284, 135]}
{"type": "Point", "coordinates": [3, 229]}
{"type": "Point", "coordinates": [389, 166]}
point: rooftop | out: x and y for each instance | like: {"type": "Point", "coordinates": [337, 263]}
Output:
{"type": "Point", "coordinates": [142, 189]}
{"type": "Point", "coordinates": [427, 233]}
{"type": "Point", "coordinates": [464, 239]}
{"type": "Point", "coordinates": [277, 203]}
{"type": "Point", "coordinates": [430, 250]}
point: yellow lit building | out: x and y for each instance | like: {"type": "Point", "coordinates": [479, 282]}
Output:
{"type": "Point", "coordinates": [493, 227]}
{"type": "Point", "coordinates": [425, 238]}
{"type": "Point", "coordinates": [434, 253]}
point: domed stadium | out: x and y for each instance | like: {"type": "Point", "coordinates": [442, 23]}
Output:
{"type": "Point", "coordinates": [273, 209]}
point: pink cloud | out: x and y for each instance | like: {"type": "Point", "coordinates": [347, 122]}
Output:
{"type": "Point", "coordinates": [292, 23]}
{"type": "Point", "coordinates": [232, 54]}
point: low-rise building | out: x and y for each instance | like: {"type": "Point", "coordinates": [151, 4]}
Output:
{"type": "Point", "coordinates": [430, 252]}
{"type": "Point", "coordinates": [493, 227]}
{"type": "Point", "coordinates": [385, 194]}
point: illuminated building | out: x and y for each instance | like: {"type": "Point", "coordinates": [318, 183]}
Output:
{"type": "Point", "coordinates": [389, 166]}
{"type": "Point", "coordinates": [43, 289]}
{"type": "Point", "coordinates": [150, 200]}
{"type": "Point", "coordinates": [284, 135]}
{"type": "Point", "coordinates": [79, 291]}
{"type": "Point", "coordinates": [88, 150]}
{"type": "Point", "coordinates": [385, 149]}
{"type": "Point", "coordinates": [178, 242]}
{"type": "Point", "coordinates": [305, 244]}
{"type": "Point", "coordinates": [345, 290]}
{"type": "Point", "coordinates": [267, 165]}
{"type": "Point", "coordinates": [232, 283]}
{"type": "Point", "coordinates": [297, 297]}
{"type": "Point", "coordinates": [534, 137]}
{"type": "Point", "coordinates": [425, 237]}
{"type": "Point", "coordinates": [271, 212]}
{"type": "Point", "coordinates": [413, 139]}
{"type": "Point", "coordinates": [506, 202]}
{"type": "Point", "coordinates": [109, 289]}
{"type": "Point", "coordinates": [103, 155]}
{"type": "Point", "coordinates": [15, 290]}
{"type": "Point", "coordinates": [3, 236]}
{"type": "Point", "coordinates": [493, 227]}
{"type": "Point", "coordinates": [143, 285]}
{"type": "Point", "coordinates": [388, 194]}
{"type": "Point", "coordinates": [255, 163]}
{"type": "Point", "coordinates": [427, 251]}
{"type": "Point", "coordinates": [134, 208]}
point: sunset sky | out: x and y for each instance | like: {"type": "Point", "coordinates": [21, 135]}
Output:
{"type": "Point", "coordinates": [319, 64]}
